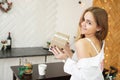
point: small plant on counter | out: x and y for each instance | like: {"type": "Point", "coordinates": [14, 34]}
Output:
{"type": "Point", "coordinates": [48, 44]}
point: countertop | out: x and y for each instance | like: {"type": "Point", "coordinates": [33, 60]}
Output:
{"type": "Point", "coordinates": [25, 52]}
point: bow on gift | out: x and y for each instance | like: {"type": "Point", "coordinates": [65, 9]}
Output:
{"type": "Point", "coordinates": [5, 5]}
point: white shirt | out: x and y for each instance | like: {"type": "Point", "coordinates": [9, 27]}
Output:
{"type": "Point", "coordinates": [85, 68]}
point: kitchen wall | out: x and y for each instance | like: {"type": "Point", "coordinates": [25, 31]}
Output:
{"type": "Point", "coordinates": [33, 22]}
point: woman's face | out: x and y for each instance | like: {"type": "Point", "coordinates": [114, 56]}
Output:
{"type": "Point", "coordinates": [89, 26]}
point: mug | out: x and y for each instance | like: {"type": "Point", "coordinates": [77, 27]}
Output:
{"type": "Point", "coordinates": [42, 69]}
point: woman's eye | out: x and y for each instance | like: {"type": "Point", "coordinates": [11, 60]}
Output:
{"type": "Point", "coordinates": [89, 23]}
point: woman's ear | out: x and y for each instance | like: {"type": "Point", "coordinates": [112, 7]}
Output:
{"type": "Point", "coordinates": [99, 28]}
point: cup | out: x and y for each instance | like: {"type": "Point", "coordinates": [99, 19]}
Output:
{"type": "Point", "coordinates": [42, 69]}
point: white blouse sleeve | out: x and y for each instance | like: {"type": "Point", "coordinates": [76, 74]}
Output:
{"type": "Point", "coordinates": [67, 66]}
{"type": "Point", "coordinates": [71, 68]}
{"type": "Point", "coordinates": [83, 69]}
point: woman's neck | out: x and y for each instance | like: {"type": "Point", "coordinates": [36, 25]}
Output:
{"type": "Point", "coordinates": [90, 36]}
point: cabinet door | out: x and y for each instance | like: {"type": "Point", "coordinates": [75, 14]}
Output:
{"type": "Point", "coordinates": [7, 72]}
{"type": "Point", "coordinates": [51, 58]}
{"type": "Point", "coordinates": [1, 69]}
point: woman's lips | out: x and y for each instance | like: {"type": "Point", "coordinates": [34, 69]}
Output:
{"type": "Point", "coordinates": [84, 29]}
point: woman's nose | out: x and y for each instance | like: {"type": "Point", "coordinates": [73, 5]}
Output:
{"type": "Point", "coordinates": [83, 24]}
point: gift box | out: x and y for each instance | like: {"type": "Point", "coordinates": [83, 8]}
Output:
{"type": "Point", "coordinates": [59, 40]}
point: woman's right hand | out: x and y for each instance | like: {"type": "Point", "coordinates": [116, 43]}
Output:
{"type": "Point", "coordinates": [59, 54]}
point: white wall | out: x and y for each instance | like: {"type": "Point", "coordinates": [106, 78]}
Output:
{"type": "Point", "coordinates": [33, 22]}
{"type": "Point", "coordinates": [68, 16]}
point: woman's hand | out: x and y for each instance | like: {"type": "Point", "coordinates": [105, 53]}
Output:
{"type": "Point", "coordinates": [58, 53]}
{"type": "Point", "coordinates": [62, 53]}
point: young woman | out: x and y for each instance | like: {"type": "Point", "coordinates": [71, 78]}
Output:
{"type": "Point", "coordinates": [87, 62]}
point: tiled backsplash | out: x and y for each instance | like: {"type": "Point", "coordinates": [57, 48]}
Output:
{"type": "Point", "coordinates": [33, 22]}
{"type": "Point", "coordinates": [28, 23]}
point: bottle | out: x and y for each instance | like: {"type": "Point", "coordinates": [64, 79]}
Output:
{"type": "Point", "coordinates": [9, 41]}
{"type": "Point", "coordinates": [20, 62]}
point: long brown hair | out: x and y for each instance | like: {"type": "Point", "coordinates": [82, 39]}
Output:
{"type": "Point", "coordinates": [101, 18]}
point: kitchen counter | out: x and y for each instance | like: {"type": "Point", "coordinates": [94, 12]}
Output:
{"type": "Point", "coordinates": [24, 52]}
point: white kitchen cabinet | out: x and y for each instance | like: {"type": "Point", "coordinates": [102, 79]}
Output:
{"type": "Point", "coordinates": [5, 64]}
{"type": "Point", "coordinates": [7, 73]}
{"type": "Point", "coordinates": [1, 69]}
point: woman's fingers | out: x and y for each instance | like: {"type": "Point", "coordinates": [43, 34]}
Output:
{"type": "Point", "coordinates": [54, 50]}
{"type": "Point", "coordinates": [51, 50]}
{"type": "Point", "coordinates": [67, 44]}
{"type": "Point", "coordinates": [58, 53]}
{"type": "Point", "coordinates": [58, 50]}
